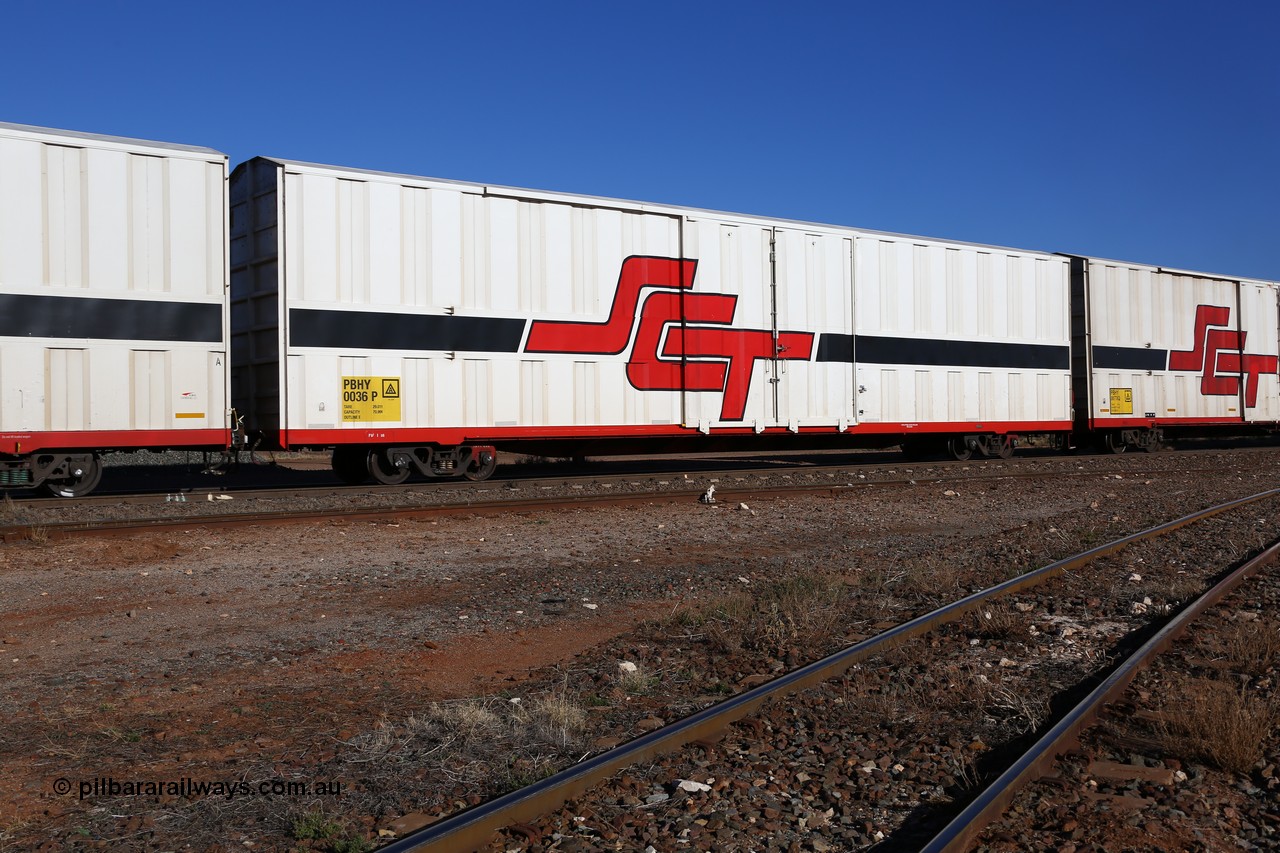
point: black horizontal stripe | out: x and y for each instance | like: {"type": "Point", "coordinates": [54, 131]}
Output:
{"type": "Point", "coordinates": [835, 348]}
{"type": "Point", "coordinates": [109, 319]}
{"type": "Point", "coordinates": [1129, 358]}
{"type": "Point", "coordinates": [873, 349]}
{"type": "Point", "coordinates": [309, 327]}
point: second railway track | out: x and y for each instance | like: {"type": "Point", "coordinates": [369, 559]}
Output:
{"type": "Point", "coordinates": [527, 809]}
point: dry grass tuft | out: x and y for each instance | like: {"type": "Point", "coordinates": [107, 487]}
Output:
{"type": "Point", "coordinates": [9, 512]}
{"type": "Point", "coordinates": [1253, 647]}
{"type": "Point", "coordinates": [553, 718]}
{"type": "Point", "coordinates": [1019, 707]}
{"type": "Point", "coordinates": [935, 578]}
{"type": "Point", "coordinates": [1180, 588]}
{"type": "Point", "coordinates": [637, 682]}
{"type": "Point", "coordinates": [998, 621]}
{"type": "Point", "coordinates": [801, 610]}
{"type": "Point", "coordinates": [480, 744]}
{"type": "Point", "coordinates": [1220, 724]}
{"type": "Point", "coordinates": [869, 697]}
{"type": "Point", "coordinates": [967, 686]}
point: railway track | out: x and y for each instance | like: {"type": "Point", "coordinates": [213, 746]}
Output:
{"type": "Point", "coordinates": [529, 808]}
{"type": "Point", "coordinates": [53, 518]}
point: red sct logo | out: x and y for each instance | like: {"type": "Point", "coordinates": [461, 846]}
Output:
{"type": "Point", "coordinates": [684, 340]}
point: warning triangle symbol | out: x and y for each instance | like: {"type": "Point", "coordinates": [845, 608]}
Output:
{"type": "Point", "coordinates": [390, 388]}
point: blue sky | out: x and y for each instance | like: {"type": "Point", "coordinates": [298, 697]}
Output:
{"type": "Point", "coordinates": [1140, 131]}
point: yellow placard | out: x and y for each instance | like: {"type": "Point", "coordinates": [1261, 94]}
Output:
{"type": "Point", "coordinates": [371, 398]}
{"type": "Point", "coordinates": [1122, 401]}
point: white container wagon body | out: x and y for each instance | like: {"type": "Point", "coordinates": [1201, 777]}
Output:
{"type": "Point", "coordinates": [113, 310]}
{"type": "Point", "coordinates": [1168, 351]}
{"type": "Point", "coordinates": [415, 323]}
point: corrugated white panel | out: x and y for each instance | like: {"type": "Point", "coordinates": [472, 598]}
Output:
{"type": "Point", "coordinates": [444, 388]}
{"type": "Point", "coordinates": [989, 291]}
{"type": "Point", "coordinates": [958, 405]}
{"type": "Point", "coordinates": [428, 218]}
{"type": "Point", "coordinates": [387, 251]}
{"type": "Point", "coordinates": [150, 370]}
{"type": "Point", "coordinates": [533, 393]}
{"type": "Point", "coordinates": [613, 390]}
{"type": "Point", "coordinates": [22, 383]}
{"type": "Point", "coordinates": [147, 227]}
{"type": "Point", "coordinates": [891, 397]}
{"type": "Point", "coordinates": [989, 405]}
{"type": "Point", "coordinates": [1018, 410]}
{"type": "Point", "coordinates": [586, 405]}
{"type": "Point", "coordinates": [22, 214]}
{"type": "Point", "coordinates": [194, 253]}
{"type": "Point", "coordinates": [67, 395]}
{"type": "Point", "coordinates": [110, 368]}
{"type": "Point", "coordinates": [65, 196]}
{"type": "Point", "coordinates": [477, 393]}
{"type": "Point", "coordinates": [923, 408]}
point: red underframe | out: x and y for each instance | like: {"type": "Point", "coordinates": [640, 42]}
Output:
{"type": "Point", "coordinates": [483, 435]}
{"type": "Point", "coordinates": [1114, 423]}
{"type": "Point", "coordinates": [21, 443]}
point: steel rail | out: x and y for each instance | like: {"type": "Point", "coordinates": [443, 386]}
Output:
{"type": "Point", "coordinates": [474, 827]}
{"type": "Point", "coordinates": [987, 807]}
{"type": "Point", "coordinates": [126, 527]}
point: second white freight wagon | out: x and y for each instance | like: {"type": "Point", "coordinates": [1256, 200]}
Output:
{"type": "Point", "coordinates": [113, 311]}
{"type": "Point", "coordinates": [1164, 351]}
{"type": "Point", "coordinates": [415, 324]}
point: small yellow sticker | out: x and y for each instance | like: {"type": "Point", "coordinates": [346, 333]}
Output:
{"type": "Point", "coordinates": [370, 398]}
{"type": "Point", "coordinates": [1122, 401]}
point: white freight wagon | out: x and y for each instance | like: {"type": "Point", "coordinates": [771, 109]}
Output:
{"type": "Point", "coordinates": [415, 324]}
{"type": "Point", "coordinates": [1170, 351]}
{"type": "Point", "coordinates": [113, 312]}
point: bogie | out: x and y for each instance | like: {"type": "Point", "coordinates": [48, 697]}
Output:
{"type": "Point", "coordinates": [389, 466]}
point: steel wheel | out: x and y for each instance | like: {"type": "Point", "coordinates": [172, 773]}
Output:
{"type": "Point", "coordinates": [384, 469]}
{"type": "Point", "coordinates": [351, 464]}
{"type": "Point", "coordinates": [1004, 447]}
{"type": "Point", "coordinates": [1114, 443]}
{"type": "Point", "coordinates": [959, 449]}
{"type": "Point", "coordinates": [84, 478]}
{"type": "Point", "coordinates": [482, 465]}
